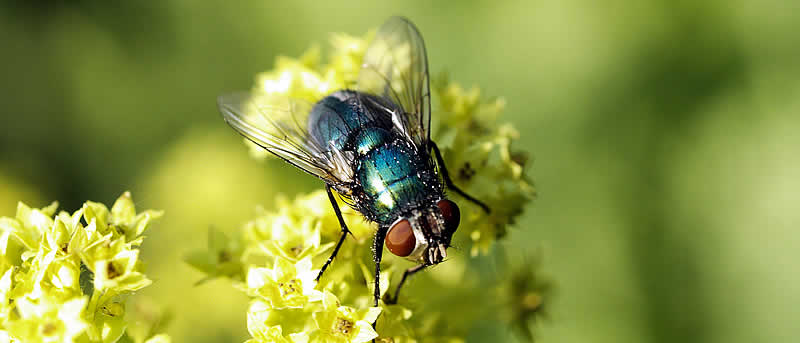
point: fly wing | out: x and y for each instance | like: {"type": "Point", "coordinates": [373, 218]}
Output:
{"type": "Point", "coordinates": [278, 124]}
{"type": "Point", "coordinates": [395, 67]}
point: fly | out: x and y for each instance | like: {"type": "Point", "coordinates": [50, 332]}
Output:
{"type": "Point", "coordinates": [372, 145]}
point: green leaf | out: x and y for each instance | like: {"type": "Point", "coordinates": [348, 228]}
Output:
{"type": "Point", "coordinates": [86, 280]}
{"type": "Point", "coordinates": [221, 258]}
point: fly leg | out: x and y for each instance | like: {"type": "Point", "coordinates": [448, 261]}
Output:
{"type": "Point", "coordinates": [449, 182]}
{"type": "Point", "coordinates": [409, 272]}
{"type": "Point", "coordinates": [345, 231]}
{"type": "Point", "coordinates": [377, 249]}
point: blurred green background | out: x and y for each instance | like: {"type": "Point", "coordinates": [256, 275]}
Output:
{"type": "Point", "coordinates": [663, 135]}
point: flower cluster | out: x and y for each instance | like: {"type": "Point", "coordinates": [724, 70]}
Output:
{"type": "Point", "coordinates": [65, 277]}
{"type": "Point", "coordinates": [477, 150]}
{"type": "Point", "coordinates": [308, 79]}
{"type": "Point", "coordinates": [275, 258]}
{"type": "Point", "coordinates": [273, 261]}
{"type": "Point", "coordinates": [480, 159]}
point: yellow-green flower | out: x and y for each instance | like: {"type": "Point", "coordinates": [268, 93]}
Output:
{"type": "Point", "coordinates": [64, 281]}
{"type": "Point", "coordinates": [394, 323]}
{"type": "Point", "coordinates": [5, 294]}
{"type": "Point", "coordinates": [5, 337]}
{"type": "Point", "coordinates": [29, 225]}
{"type": "Point", "coordinates": [57, 275]}
{"type": "Point", "coordinates": [92, 245]}
{"type": "Point", "coordinates": [160, 338]}
{"type": "Point", "coordinates": [481, 160]}
{"type": "Point", "coordinates": [48, 320]}
{"type": "Point", "coordinates": [285, 285]}
{"type": "Point", "coordinates": [120, 273]}
{"type": "Point", "coordinates": [261, 323]}
{"type": "Point", "coordinates": [222, 257]}
{"type": "Point", "coordinates": [525, 297]}
{"type": "Point", "coordinates": [307, 79]}
{"type": "Point", "coordinates": [124, 219]}
{"type": "Point", "coordinates": [347, 58]}
{"type": "Point", "coordinates": [57, 237]}
{"type": "Point", "coordinates": [289, 235]}
{"type": "Point", "coordinates": [340, 324]}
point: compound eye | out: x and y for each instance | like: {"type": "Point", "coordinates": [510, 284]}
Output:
{"type": "Point", "coordinates": [450, 213]}
{"type": "Point", "coordinates": [400, 239]}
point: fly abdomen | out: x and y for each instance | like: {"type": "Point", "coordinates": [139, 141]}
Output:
{"type": "Point", "coordinates": [338, 117]}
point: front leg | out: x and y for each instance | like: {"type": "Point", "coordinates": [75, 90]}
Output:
{"type": "Point", "coordinates": [410, 271]}
{"type": "Point", "coordinates": [342, 225]}
{"type": "Point", "coordinates": [449, 183]}
{"type": "Point", "coordinates": [377, 249]}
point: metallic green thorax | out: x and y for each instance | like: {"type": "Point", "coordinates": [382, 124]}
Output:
{"type": "Point", "coordinates": [391, 176]}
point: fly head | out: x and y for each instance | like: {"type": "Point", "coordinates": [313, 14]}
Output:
{"type": "Point", "coordinates": [424, 235]}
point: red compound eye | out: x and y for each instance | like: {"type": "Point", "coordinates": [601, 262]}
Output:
{"type": "Point", "coordinates": [400, 239]}
{"type": "Point", "coordinates": [450, 213]}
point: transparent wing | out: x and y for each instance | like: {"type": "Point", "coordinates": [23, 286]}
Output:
{"type": "Point", "coordinates": [396, 67]}
{"type": "Point", "coordinates": [278, 124]}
